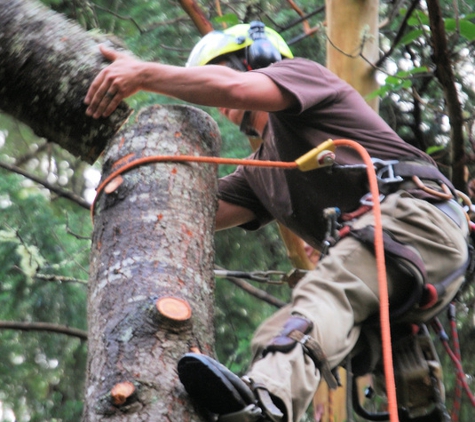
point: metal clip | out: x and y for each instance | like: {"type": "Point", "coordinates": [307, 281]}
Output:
{"type": "Point", "coordinates": [331, 214]}
{"type": "Point", "coordinates": [250, 413]}
{"type": "Point", "coordinates": [385, 171]}
{"type": "Point", "coordinates": [367, 199]}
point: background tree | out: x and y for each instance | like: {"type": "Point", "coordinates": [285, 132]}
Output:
{"type": "Point", "coordinates": [413, 100]}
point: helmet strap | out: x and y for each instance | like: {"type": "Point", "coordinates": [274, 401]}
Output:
{"type": "Point", "coordinates": [237, 63]}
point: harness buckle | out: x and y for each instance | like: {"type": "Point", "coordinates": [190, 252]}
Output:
{"type": "Point", "coordinates": [367, 199]}
{"type": "Point", "coordinates": [385, 171]}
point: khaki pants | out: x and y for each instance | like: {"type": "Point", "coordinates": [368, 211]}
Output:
{"type": "Point", "coordinates": [343, 291]}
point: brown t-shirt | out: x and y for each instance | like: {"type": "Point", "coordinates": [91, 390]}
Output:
{"type": "Point", "coordinates": [327, 108]}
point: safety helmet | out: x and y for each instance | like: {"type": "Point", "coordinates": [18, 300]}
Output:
{"type": "Point", "coordinates": [258, 45]}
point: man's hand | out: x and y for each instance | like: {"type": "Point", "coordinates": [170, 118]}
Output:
{"type": "Point", "coordinates": [117, 81]}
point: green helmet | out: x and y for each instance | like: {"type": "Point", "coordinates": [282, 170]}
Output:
{"type": "Point", "coordinates": [257, 44]}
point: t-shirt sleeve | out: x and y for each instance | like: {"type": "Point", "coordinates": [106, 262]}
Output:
{"type": "Point", "coordinates": [310, 83]}
{"type": "Point", "coordinates": [235, 190]}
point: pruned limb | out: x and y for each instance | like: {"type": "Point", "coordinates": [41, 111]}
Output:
{"type": "Point", "coordinates": [294, 6]}
{"type": "Point", "coordinates": [174, 308]}
{"type": "Point", "coordinates": [121, 392]}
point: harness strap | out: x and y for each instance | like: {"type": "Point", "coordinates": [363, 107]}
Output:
{"type": "Point", "coordinates": [407, 169]}
{"type": "Point", "coordinates": [415, 171]}
{"type": "Point", "coordinates": [295, 331]}
{"type": "Point", "coordinates": [313, 349]}
{"type": "Point", "coordinates": [264, 400]}
{"type": "Point", "coordinates": [404, 257]}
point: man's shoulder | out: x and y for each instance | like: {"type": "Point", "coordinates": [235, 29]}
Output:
{"type": "Point", "coordinates": [297, 62]}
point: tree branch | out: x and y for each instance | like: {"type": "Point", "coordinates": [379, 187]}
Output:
{"type": "Point", "coordinates": [60, 192]}
{"type": "Point", "coordinates": [125, 18]}
{"type": "Point", "coordinates": [59, 278]}
{"type": "Point", "coordinates": [399, 34]}
{"type": "Point", "coordinates": [43, 326]}
{"type": "Point", "coordinates": [445, 75]}
{"type": "Point", "coordinates": [258, 293]}
{"type": "Point", "coordinates": [197, 16]}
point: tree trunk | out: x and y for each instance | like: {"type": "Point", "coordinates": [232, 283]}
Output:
{"type": "Point", "coordinates": [152, 263]}
{"type": "Point", "coordinates": [46, 66]}
{"type": "Point", "coordinates": [352, 28]}
{"type": "Point", "coordinates": [353, 43]}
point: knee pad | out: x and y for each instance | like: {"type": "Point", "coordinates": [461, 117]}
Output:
{"type": "Point", "coordinates": [295, 332]}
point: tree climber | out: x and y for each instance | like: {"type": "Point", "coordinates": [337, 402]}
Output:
{"type": "Point", "coordinates": [295, 104]}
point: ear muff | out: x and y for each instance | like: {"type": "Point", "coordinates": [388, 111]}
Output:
{"type": "Point", "coordinates": [261, 53]}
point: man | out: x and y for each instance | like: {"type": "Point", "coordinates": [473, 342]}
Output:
{"type": "Point", "coordinates": [306, 105]}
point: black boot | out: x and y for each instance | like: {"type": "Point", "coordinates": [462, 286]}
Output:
{"type": "Point", "coordinates": [223, 393]}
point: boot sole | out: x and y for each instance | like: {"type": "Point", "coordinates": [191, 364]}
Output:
{"type": "Point", "coordinates": [212, 385]}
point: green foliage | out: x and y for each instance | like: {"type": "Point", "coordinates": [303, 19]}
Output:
{"type": "Point", "coordinates": [42, 373]}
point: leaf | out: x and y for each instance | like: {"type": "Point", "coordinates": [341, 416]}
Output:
{"type": "Point", "coordinates": [228, 19]}
{"type": "Point", "coordinates": [417, 18]}
{"type": "Point", "coordinates": [381, 92]}
{"type": "Point", "coordinates": [411, 36]}
{"type": "Point", "coordinates": [467, 28]}
{"type": "Point", "coordinates": [434, 148]}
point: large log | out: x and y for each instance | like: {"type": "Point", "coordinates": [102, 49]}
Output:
{"type": "Point", "coordinates": [46, 66]}
{"type": "Point", "coordinates": [151, 277]}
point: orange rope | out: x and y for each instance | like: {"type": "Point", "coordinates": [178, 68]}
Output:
{"type": "Point", "coordinates": [378, 238]}
{"type": "Point", "coordinates": [382, 279]}
{"type": "Point", "coordinates": [187, 158]}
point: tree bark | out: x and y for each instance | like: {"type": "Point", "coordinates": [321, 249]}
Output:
{"type": "Point", "coordinates": [46, 66]}
{"type": "Point", "coordinates": [152, 262]}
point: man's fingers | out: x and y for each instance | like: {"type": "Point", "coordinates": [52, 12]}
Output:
{"type": "Point", "coordinates": [103, 95]}
{"type": "Point", "coordinates": [95, 88]}
{"type": "Point", "coordinates": [108, 53]}
{"type": "Point", "coordinates": [106, 98]}
{"type": "Point", "coordinates": [92, 91]}
{"type": "Point", "coordinates": [114, 102]}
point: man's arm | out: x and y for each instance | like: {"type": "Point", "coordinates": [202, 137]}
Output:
{"type": "Point", "coordinates": [212, 85]}
{"type": "Point", "coordinates": [231, 215]}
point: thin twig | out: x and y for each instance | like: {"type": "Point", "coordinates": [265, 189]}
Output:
{"type": "Point", "coordinates": [60, 192]}
{"type": "Point", "coordinates": [43, 326]}
{"type": "Point", "coordinates": [258, 293]}
{"type": "Point", "coordinates": [59, 278]}
{"type": "Point", "coordinates": [125, 18]}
